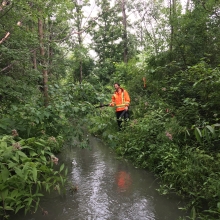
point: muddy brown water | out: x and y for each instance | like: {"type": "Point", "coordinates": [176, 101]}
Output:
{"type": "Point", "coordinates": [108, 189]}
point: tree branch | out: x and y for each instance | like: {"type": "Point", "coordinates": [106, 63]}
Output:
{"type": "Point", "coordinates": [7, 67]}
{"type": "Point", "coordinates": [5, 37]}
{"type": "Point", "coordinates": [74, 32]}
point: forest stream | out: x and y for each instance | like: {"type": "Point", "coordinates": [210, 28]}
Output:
{"type": "Point", "coordinates": [107, 188]}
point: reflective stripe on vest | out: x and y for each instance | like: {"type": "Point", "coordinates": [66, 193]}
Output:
{"type": "Point", "coordinates": [123, 101]}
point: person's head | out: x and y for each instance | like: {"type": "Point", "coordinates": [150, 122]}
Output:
{"type": "Point", "coordinates": [116, 86]}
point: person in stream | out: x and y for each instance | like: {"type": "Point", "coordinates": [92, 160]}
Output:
{"type": "Point", "coordinates": [121, 100]}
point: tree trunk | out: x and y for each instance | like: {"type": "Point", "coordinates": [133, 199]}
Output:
{"type": "Point", "coordinates": [50, 50]}
{"type": "Point", "coordinates": [172, 17]}
{"type": "Point", "coordinates": [124, 37]}
{"type": "Point", "coordinates": [43, 61]}
{"type": "Point", "coordinates": [34, 59]}
{"type": "Point", "coordinates": [187, 5]}
{"type": "Point", "coordinates": [79, 33]}
{"type": "Point", "coordinates": [80, 61]}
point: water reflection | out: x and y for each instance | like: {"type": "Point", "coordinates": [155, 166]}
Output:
{"type": "Point", "coordinates": [123, 181]}
{"type": "Point", "coordinates": [108, 189]}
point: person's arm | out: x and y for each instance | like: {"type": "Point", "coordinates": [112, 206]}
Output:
{"type": "Point", "coordinates": [127, 99]}
{"type": "Point", "coordinates": [113, 101]}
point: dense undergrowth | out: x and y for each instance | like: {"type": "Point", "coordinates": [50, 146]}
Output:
{"type": "Point", "coordinates": [173, 131]}
{"type": "Point", "coordinates": [168, 60]}
{"type": "Point", "coordinates": [31, 136]}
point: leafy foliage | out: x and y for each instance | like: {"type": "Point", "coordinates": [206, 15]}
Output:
{"type": "Point", "coordinates": [173, 84]}
{"type": "Point", "coordinates": [173, 130]}
{"type": "Point", "coordinates": [27, 169]}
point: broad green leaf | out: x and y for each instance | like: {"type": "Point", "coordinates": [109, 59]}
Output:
{"type": "Point", "coordinates": [4, 194]}
{"type": "Point", "coordinates": [26, 147]}
{"type": "Point", "coordinates": [10, 199]}
{"type": "Point", "coordinates": [16, 158]}
{"type": "Point", "coordinates": [37, 204]}
{"type": "Point", "coordinates": [8, 208]}
{"type": "Point", "coordinates": [42, 141]}
{"type": "Point", "coordinates": [4, 173]}
{"type": "Point", "coordinates": [47, 187]}
{"type": "Point", "coordinates": [25, 171]}
{"type": "Point", "coordinates": [198, 134]}
{"type": "Point", "coordinates": [39, 144]}
{"type": "Point", "coordinates": [193, 213]}
{"type": "Point", "coordinates": [3, 144]}
{"type": "Point", "coordinates": [47, 114]}
{"type": "Point", "coordinates": [18, 208]}
{"type": "Point", "coordinates": [61, 167]}
{"type": "Point", "coordinates": [218, 205]}
{"type": "Point", "coordinates": [21, 153]}
{"type": "Point", "coordinates": [3, 126]}
{"type": "Point", "coordinates": [39, 194]}
{"type": "Point", "coordinates": [37, 120]}
{"type": "Point", "coordinates": [32, 153]}
{"type": "Point", "coordinates": [30, 201]}
{"type": "Point", "coordinates": [210, 128]}
{"type": "Point", "coordinates": [43, 158]}
{"type": "Point", "coordinates": [14, 193]}
{"type": "Point", "coordinates": [11, 164]}
{"type": "Point", "coordinates": [34, 170]}
{"type": "Point", "coordinates": [61, 179]}
{"type": "Point", "coordinates": [75, 109]}
{"type": "Point", "coordinates": [66, 171]}
{"type": "Point", "coordinates": [18, 172]}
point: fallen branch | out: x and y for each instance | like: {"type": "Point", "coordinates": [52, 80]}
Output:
{"type": "Point", "coordinates": [5, 37]}
{"type": "Point", "coordinates": [7, 67]}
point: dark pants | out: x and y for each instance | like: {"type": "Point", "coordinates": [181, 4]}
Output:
{"type": "Point", "coordinates": [120, 119]}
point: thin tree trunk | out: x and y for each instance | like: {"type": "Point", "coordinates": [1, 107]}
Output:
{"type": "Point", "coordinates": [172, 17]}
{"type": "Point", "coordinates": [125, 37]}
{"type": "Point", "coordinates": [187, 5]}
{"type": "Point", "coordinates": [79, 21]}
{"type": "Point", "coordinates": [80, 61]}
{"type": "Point", "coordinates": [50, 50]}
{"type": "Point", "coordinates": [43, 62]}
{"type": "Point", "coordinates": [171, 28]}
{"type": "Point", "coordinates": [34, 59]}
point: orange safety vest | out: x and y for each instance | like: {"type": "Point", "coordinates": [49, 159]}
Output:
{"type": "Point", "coordinates": [120, 99]}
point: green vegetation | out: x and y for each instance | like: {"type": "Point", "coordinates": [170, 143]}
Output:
{"type": "Point", "coordinates": [49, 85]}
{"type": "Point", "coordinates": [26, 170]}
{"type": "Point", "coordinates": [162, 138]}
